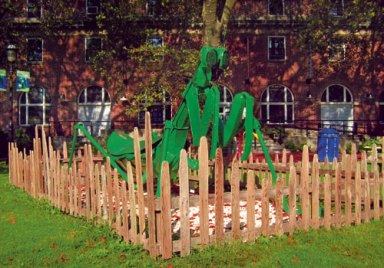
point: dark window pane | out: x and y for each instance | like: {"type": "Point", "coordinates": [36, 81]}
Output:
{"type": "Point", "coordinates": [348, 96]}
{"type": "Point", "coordinates": [264, 96]}
{"type": "Point", "coordinates": [93, 46]}
{"type": "Point", "coordinates": [276, 113]}
{"type": "Point", "coordinates": [289, 113]}
{"type": "Point", "coordinates": [156, 114]}
{"type": "Point", "coordinates": [276, 7]}
{"type": "Point", "coordinates": [23, 115]}
{"type": "Point", "coordinates": [82, 97]}
{"type": "Point", "coordinates": [336, 93]}
{"type": "Point", "coordinates": [23, 98]}
{"type": "Point", "coordinates": [276, 48]}
{"type": "Point", "coordinates": [35, 50]}
{"type": "Point", "coordinates": [381, 113]}
{"type": "Point", "coordinates": [337, 8]}
{"type": "Point", "coordinates": [276, 94]}
{"type": "Point", "coordinates": [47, 113]}
{"type": "Point", "coordinates": [264, 112]}
{"type": "Point", "coordinates": [36, 95]}
{"type": "Point", "coordinates": [34, 9]}
{"type": "Point", "coordinates": [35, 115]}
{"type": "Point", "coordinates": [94, 94]}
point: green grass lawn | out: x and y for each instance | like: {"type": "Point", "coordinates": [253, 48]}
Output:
{"type": "Point", "coordinates": [33, 234]}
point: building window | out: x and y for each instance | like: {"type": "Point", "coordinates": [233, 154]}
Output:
{"type": "Point", "coordinates": [337, 8]}
{"type": "Point", "coordinates": [381, 103]}
{"type": "Point", "coordinates": [150, 7]}
{"type": "Point", "coordinates": [226, 98]}
{"type": "Point", "coordinates": [34, 9]}
{"type": "Point", "coordinates": [276, 48]}
{"type": "Point", "coordinates": [93, 46]}
{"type": "Point", "coordinates": [95, 109]}
{"type": "Point", "coordinates": [160, 111]}
{"type": "Point", "coordinates": [35, 50]}
{"type": "Point", "coordinates": [155, 41]}
{"type": "Point", "coordinates": [34, 107]}
{"type": "Point", "coordinates": [336, 94]}
{"type": "Point", "coordinates": [92, 7]}
{"type": "Point", "coordinates": [277, 105]}
{"type": "Point", "coordinates": [337, 108]}
{"type": "Point", "coordinates": [276, 7]}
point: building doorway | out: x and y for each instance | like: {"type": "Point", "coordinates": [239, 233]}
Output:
{"type": "Point", "coordinates": [94, 109]}
{"type": "Point", "coordinates": [337, 108]}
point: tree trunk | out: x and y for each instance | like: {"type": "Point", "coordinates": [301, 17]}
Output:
{"type": "Point", "coordinates": [215, 26]}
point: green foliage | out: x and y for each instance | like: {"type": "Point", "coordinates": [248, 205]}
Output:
{"type": "Point", "coordinates": [324, 32]}
{"type": "Point", "coordinates": [369, 142]}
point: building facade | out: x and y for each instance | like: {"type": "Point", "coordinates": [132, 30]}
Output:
{"type": "Point", "coordinates": [292, 86]}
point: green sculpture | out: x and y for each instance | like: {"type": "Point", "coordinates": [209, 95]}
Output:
{"type": "Point", "coordinates": [213, 61]}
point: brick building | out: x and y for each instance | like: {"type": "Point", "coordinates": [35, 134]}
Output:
{"type": "Point", "coordinates": [291, 85]}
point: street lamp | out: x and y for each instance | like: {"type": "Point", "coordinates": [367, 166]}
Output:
{"type": "Point", "coordinates": [11, 58]}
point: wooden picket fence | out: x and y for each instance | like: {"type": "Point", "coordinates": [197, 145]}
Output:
{"type": "Point", "coordinates": [327, 194]}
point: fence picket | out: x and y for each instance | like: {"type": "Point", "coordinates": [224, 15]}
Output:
{"type": "Point", "coordinates": [338, 195]}
{"type": "Point", "coordinates": [251, 198]}
{"type": "Point", "coordinates": [292, 199]}
{"type": "Point", "coordinates": [376, 195]}
{"type": "Point", "coordinates": [185, 236]}
{"type": "Point", "coordinates": [315, 193]}
{"type": "Point", "coordinates": [203, 190]}
{"type": "Point", "coordinates": [132, 205]}
{"type": "Point", "coordinates": [139, 181]}
{"type": "Point", "coordinates": [265, 205]}
{"type": "Point", "coordinates": [367, 199]}
{"type": "Point", "coordinates": [358, 195]}
{"type": "Point", "coordinates": [166, 243]}
{"type": "Point", "coordinates": [219, 195]}
{"type": "Point", "coordinates": [327, 202]}
{"type": "Point", "coordinates": [150, 189]}
{"type": "Point", "coordinates": [348, 192]}
{"type": "Point", "coordinates": [279, 208]}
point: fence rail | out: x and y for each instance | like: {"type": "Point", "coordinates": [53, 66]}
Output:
{"type": "Point", "coordinates": [237, 202]}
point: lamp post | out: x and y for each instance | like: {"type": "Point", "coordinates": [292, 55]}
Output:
{"type": "Point", "coordinates": [11, 58]}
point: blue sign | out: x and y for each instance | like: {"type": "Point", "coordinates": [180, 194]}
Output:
{"type": "Point", "coordinates": [22, 81]}
{"type": "Point", "coordinates": [3, 80]}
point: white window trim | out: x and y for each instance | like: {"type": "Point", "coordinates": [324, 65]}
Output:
{"type": "Point", "coordinates": [267, 103]}
{"type": "Point", "coordinates": [285, 48]}
{"type": "Point", "coordinates": [44, 105]}
{"type": "Point", "coordinates": [104, 92]}
{"type": "Point", "coordinates": [42, 50]}
{"type": "Point", "coordinates": [345, 91]}
{"type": "Point", "coordinates": [275, 15]}
{"type": "Point", "coordinates": [85, 46]}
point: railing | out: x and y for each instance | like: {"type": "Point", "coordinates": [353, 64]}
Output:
{"type": "Point", "coordinates": [344, 127]}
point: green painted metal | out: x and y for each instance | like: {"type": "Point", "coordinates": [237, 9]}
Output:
{"type": "Point", "coordinates": [198, 120]}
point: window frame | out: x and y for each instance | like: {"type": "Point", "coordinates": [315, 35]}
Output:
{"type": "Point", "coordinates": [42, 51]}
{"type": "Point", "coordinates": [150, 8]}
{"type": "Point", "coordinates": [285, 48]}
{"type": "Point", "coordinates": [31, 15]}
{"type": "Point", "coordinates": [44, 105]}
{"type": "Point", "coordinates": [86, 49]}
{"type": "Point", "coordinates": [269, 8]}
{"type": "Point", "coordinates": [267, 103]}
{"type": "Point", "coordinates": [346, 91]}
{"type": "Point", "coordinates": [225, 106]}
{"type": "Point", "coordinates": [88, 7]}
